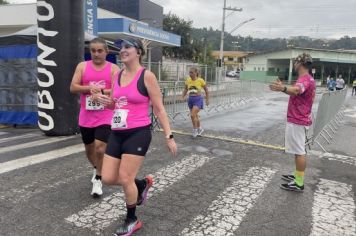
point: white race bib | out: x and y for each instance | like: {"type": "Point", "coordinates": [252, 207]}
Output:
{"type": "Point", "coordinates": [92, 106]}
{"type": "Point", "coordinates": [119, 120]}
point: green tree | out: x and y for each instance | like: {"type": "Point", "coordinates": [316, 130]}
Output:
{"type": "Point", "coordinates": [177, 25]}
{"type": "Point", "coordinates": [3, 2]}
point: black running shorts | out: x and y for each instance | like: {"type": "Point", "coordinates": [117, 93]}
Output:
{"type": "Point", "coordinates": [100, 133]}
{"type": "Point", "coordinates": [134, 141]}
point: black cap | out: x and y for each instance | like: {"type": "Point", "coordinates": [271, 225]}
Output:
{"type": "Point", "coordinates": [136, 43]}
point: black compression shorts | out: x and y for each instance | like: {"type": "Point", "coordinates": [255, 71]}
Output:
{"type": "Point", "coordinates": [133, 141]}
{"type": "Point", "coordinates": [100, 133]}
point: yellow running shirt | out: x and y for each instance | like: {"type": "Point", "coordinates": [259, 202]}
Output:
{"type": "Point", "coordinates": [195, 86]}
{"type": "Point", "coordinates": [354, 83]}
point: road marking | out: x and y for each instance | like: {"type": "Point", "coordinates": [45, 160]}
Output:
{"type": "Point", "coordinates": [34, 144]}
{"type": "Point", "coordinates": [333, 209]}
{"type": "Point", "coordinates": [98, 216]}
{"type": "Point", "coordinates": [2, 133]}
{"type": "Point", "coordinates": [334, 157]}
{"type": "Point", "coordinates": [235, 140]}
{"type": "Point", "coordinates": [38, 158]}
{"type": "Point", "coordinates": [227, 211]}
{"type": "Point", "coordinates": [20, 136]}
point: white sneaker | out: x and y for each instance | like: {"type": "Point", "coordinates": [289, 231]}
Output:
{"type": "Point", "coordinates": [195, 133]}
{"type": "Point", "coordinates": [97, 190]}
{"type": "Point", "coordinates": [200, 131]}
{"type": "Point", "coordinates": [94, 174]}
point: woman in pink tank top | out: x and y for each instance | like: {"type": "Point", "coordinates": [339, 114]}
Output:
{"type": "Point", "coordinates": [132, 91]}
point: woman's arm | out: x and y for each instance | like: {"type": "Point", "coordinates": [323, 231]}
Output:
{"type": "Point", "coordinates": [158, 108]}
{"type": "Point", "coordinates": [185, 91]}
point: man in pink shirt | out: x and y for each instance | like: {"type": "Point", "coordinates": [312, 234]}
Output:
{"type": "Point", "coordinates": [299, 118]}
{"type": "Point", "coordinates": [93, 77]}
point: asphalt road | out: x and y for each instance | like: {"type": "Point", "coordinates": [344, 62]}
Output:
{"type": "Point", "coordinates": [218, 185]}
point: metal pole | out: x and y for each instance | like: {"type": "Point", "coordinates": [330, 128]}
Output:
{"type": "Point", "coordinates": [290, 71]}
{"type": "Point", "coordinates": [206, 72]}
{"type": "Point", "coordinates": [222, 34]}
{"type": "Point", "coordinates": [159, 71]}
{"type": "Point", "coordinates": [149, 58]}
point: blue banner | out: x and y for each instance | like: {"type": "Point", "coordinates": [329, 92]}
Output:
{"type": "Point", "coordinates": [18, 52]}
{"type": "Point", "coordinates": [91, 17]}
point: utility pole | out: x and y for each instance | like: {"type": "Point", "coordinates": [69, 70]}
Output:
{"type": "Point", "coordinates": [221, 56]}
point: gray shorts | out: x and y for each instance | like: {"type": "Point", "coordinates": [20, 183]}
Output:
{"type": "Point", "coordinates": [295, 139]}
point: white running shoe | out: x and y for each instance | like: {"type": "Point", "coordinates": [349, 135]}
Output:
{"type": "Point", "coordinates": [94, 174]}
{"type": "Point", "coordinates": [200, 131]}
{"type": "Point", "coordinates": [97, 190]}
{"type": "Point", "coordinates": [195, 133]}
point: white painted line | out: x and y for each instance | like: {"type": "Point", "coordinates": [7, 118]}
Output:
{"type": "Point", "coordinates": [333, 209]}
{"type": "Point", "coordinates": [38, 158]}
{"type": "Point", "coordinates": [20, 136]}
{"type": "Point", "coordinates": [227, 211]}
{"type": "Point", "coordinates": [2, 133]}
{"type": "Point", "coordinates": [98, 216]}
{"type": "Point", "coordinates": [34, 144]}
{"type": "Point", "coordinates": [334, 157]}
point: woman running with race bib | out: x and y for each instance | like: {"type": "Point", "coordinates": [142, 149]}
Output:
{"type": "Point", "coordinates": [193, 87]}
{"type": "Point", "coordinates": [132, 91]}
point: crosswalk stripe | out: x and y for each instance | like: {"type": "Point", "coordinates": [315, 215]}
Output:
{"type": "Point", "coordinates": [3, 133]}
{"type": "Point", "coordinates": [230, 207]}
{"type": "Point", "coordinates": [98, 216]}
{"type": "Point", "coordinates": [333, 209]}
{"type": "Point", "coordinates": [34, 143]}
{"type": "Point", "coordinates": [38, 158]}
{"type": "Point", "coordinates": [334, 157]}
{"type": "Point", "coordinates": [2, 140]}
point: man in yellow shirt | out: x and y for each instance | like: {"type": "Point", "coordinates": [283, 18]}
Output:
{"type": "Point", "coordinates": [193, 87]}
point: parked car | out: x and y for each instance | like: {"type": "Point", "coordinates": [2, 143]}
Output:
{"type": "Point", "coordinates": [231, 74]}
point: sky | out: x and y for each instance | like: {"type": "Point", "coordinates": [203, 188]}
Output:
{"type": "Point", "coordinates": [273, 18]}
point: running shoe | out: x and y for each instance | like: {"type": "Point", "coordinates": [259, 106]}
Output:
{"type": "Point", "coordinates": [97, 190]}
{"type": "Point", "coordinates": [288, 178]}
{"type": "Point", "coordinates": [142, 198]}
{"type": "Point", "coordinates": [195, 133]}
{"type": "Point", "coordinates": [292, 186]}
{"type": "Point", "coordinates": [94, 174]}
{"type": "Point", "coordinates": [200, 131]}
{"type": "Point", "coordinates": [128, 227]}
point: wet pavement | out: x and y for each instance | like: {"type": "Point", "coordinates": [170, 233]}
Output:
{"type": "Point", "coordinates": [215, 186]}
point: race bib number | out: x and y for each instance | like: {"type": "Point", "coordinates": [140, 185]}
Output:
{"type": "Point", "coordinates": [119, 120]}
{"type": "Point", "coordinates": [92, 106]}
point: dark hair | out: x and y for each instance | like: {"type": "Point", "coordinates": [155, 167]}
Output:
{"type": "Point", "coordinates": [100, 41]}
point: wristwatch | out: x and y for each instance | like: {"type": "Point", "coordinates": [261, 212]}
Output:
{"type": "Point", "coordinates": [170, 136]}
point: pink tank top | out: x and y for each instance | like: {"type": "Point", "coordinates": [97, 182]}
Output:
{"type": "Point", "coordinates": [93, 115]}
{"type": "Point", "coordinates": [130, 99]}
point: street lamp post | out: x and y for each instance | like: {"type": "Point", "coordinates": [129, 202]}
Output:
{"type": "Point", "coordinates": [223, 31]}
{"type": "Point", "coordinates": [221, 54]}
{"type": "Point", "coordinates": [241, 24]}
